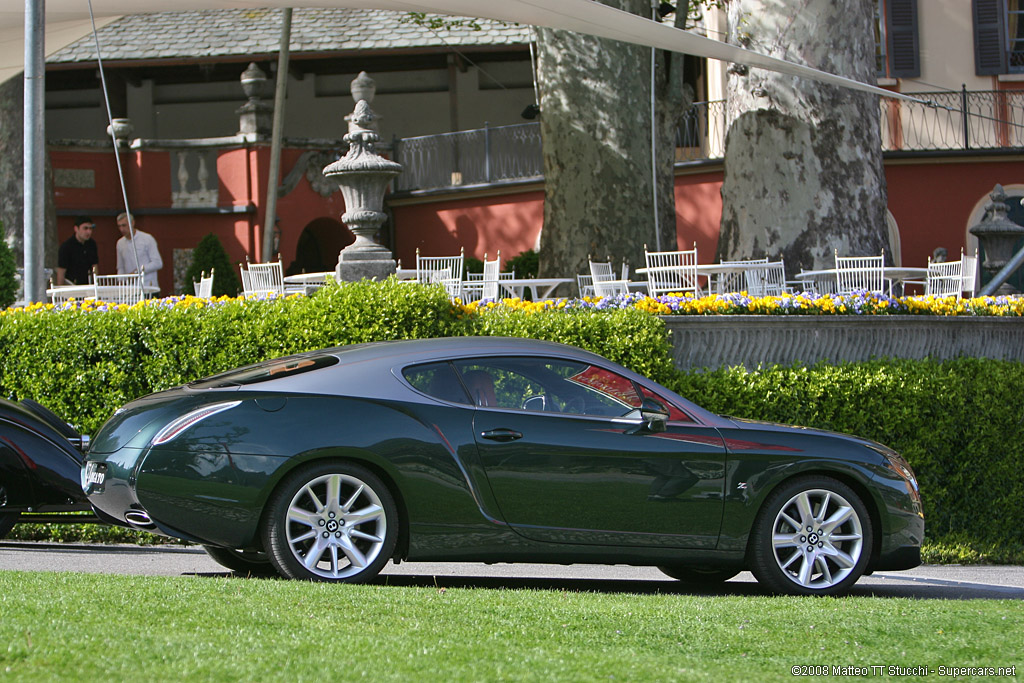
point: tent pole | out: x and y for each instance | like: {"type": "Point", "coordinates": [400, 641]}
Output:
{"type": "Point", "coordinates": [34, 165]}
{"type": "Point", "coordinates": [275, 136]}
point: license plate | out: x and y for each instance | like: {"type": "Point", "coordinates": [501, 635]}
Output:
{"type": "Point", "coordinates": [95, 474]}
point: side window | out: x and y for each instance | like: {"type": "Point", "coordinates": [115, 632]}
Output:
{"type": "Point", "coordinates": [549, 385]}
{"type": "Point", "coordinates": [438, 380]}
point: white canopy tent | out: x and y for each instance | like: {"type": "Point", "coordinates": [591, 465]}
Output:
{"type": "Point", "coordinates": [69, 20]}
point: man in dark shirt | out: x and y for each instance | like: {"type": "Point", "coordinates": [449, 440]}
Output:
{"type": "Point", "coordinates": [77, 254]}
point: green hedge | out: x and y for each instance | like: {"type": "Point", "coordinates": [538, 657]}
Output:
{"type": "Point", "coordinates": [958, 422]}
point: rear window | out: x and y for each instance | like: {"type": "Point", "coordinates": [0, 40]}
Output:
{"type": "Point", "coordinates": [276, 369]}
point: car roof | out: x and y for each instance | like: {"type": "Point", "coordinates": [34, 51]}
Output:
{"type": "Point", "coordinates": [422, 350]}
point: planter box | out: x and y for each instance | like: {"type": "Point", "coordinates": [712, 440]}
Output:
{"type": "Point", "coordinates": [752, 340]}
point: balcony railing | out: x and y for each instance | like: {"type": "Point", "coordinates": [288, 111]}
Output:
{"type": "Point", "coordinates": [470, 157]}
{"type": "Point", "coordinates": [965, 120]}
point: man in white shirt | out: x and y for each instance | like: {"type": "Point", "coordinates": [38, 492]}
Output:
{"type": "Point", "coordinates": [144, 244]}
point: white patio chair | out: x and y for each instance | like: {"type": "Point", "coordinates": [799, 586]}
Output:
{"type": "Point", "coordinates": [585, 283]}
{"type": "Point", "coordinates": [970, 273]}
{"type": "Point", "coordinates": [479, 286]}
{"type": "Point", "coordinates": [672, 271]}
{"type": "Point", "coordinates": [734, 282]}
{"type": "Point", "coordinates": [603, 280]}
{"type": "Point", "coordinates": [119, 289]}
{"type": "Point", "coordinates": [204, 287]}
{"type": "Point", "coordinates": [944, 278]}
{"type": "Point", "coordinates": [767, 281]}
{"type": "Point", "coordinates": [443, 270]}
{"type": "Point", "coordinates": [261, 279]}
{"type": "Point", "coordinates": [859, 273]}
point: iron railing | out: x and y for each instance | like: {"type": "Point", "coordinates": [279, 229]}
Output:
{"type": "Point", "coordinates": [965, 120]}
{"type": "Point", "coordinates": [470, 157]}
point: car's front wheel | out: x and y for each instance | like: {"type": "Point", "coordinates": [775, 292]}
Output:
{"type": "Point", "coordinates": [332, 521]}
{"type": "Point", "coordinates": [249, 562]}
{"type": "Point", "coordinates": [812, 537]}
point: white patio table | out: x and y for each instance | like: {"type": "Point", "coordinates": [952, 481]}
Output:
{"type": "Point", "coordinates": [709, 269]}
{"type": "Point", "coordinates": [898, 274]}
{"type": "Point", "coordinates": [540, 287]}
{"type": "Point", "coordinates": [89, 291]}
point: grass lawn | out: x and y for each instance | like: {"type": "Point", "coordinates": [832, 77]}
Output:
{"type": "Point", "coordinates": [116, 628]}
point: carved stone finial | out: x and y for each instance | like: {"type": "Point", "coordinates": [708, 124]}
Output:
{"type": "Point", "coordinates": [363, 87]}
{"type": "Point", "coordinates": [256, 115]}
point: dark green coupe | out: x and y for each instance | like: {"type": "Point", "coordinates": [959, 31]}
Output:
{"type": "Point", "coordinates": [326, 465]}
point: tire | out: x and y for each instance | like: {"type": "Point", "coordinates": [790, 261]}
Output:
{"type": "Point", "coordinates": [699, 576]}
{"type": "Point", "coordinates": [813, 536]}
{"type": "Point", "coordinates": [250, 563]}
{"type": "Point", "coordinates": [333, 521]}
{"type": "Point", "coordinates": [7, 522]}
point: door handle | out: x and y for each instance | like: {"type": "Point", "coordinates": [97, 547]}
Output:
{"type": "Point", "coordinates": [502, 435]}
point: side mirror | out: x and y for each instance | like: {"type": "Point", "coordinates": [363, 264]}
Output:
{"type": "Point", "coordinates": [654, 415]}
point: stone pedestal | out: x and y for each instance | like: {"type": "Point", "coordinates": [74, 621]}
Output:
{"type": "Point", "coordinates": [363, 176]}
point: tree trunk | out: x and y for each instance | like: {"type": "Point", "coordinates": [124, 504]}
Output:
{"type": "Point", "coordinates": [12, 182]}
{"type": "Point", "coordinates": [596, 126]}
{"type": "Point", "coordinates": [803, 160]}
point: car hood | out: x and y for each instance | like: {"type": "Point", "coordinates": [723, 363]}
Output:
{"type": "Point", "coordinates": [745, 424]}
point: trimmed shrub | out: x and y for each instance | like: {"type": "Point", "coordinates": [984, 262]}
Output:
{"type": "Point", "coordinates": [525, 264]}
{"type": "Point", "coordinates": [209, 255]}
{"type": "Point", "coordinates": [8, 274]}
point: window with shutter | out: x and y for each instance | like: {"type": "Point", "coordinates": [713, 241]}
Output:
{"type": "Point", "coordinates": [904, 60]}
{"type": "Point", "coordinates": [989, 42]}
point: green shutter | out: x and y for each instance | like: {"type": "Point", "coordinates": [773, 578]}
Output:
{"type": "Point", "coordinates": [989, 48]}
{"type": "Point", "coordinates": [901, 19]}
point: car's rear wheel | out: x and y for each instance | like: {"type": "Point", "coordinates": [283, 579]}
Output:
{"type": "Point", "coordinates": [333, 521]}
{"type": "Point", "coordinates": [700, 576]}
{"type": "Point", "coordinates": [7, 522]}
{"type": "Point", "coordinates": [812, 537]}
{"type": "Point", "coordinates": [249, 562]}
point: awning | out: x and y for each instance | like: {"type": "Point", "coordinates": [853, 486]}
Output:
{"type": "Point", "coordinates": [68, 21]}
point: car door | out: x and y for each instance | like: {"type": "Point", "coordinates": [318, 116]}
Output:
{"type": "Point", "coordinates": [568, 459]}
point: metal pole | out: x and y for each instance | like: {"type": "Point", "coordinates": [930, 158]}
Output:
{"type": "Point", "coordinates": [487, 151]}
{"type": "Point", "coordinates": [963, 108]}
{"type": "Point", "coordinates": [654, 143]}
{"type": "Point", "coordinates": [275, 137]}
{"type": "Point", "coordinates": [34, 141]}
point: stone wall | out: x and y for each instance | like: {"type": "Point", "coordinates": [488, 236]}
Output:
{"type": "Point", "coordinates": [750, 340]}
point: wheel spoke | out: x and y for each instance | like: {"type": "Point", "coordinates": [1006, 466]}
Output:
{"type": "Point", "coordinates": [841, 515]}
{"type": "Point", "coordinates": [824, 506]}
{"type": "Point", "coordinates": [825, 571]}
{"type": "Point", "coordinates": [353, 498]}
{"type": "Point", "coordinates": [334, 559]}
{"type": "Point", "coordinates": [353, 553]}
{"type": "Point", "coordinates": [803, 504]}
{"type": "Point", "coordinates": [298, 539]}
{"type": "Point", "coordinates": [302, 516]}
{"type": "Point", "coordinates": [333, 490]}
{"type": "Point", "coordinates": [840, 538]}
{"type": "Point", "coordinates": [313, 555]}
{"type": "Point", "coordinates": [790, 521]}
{"type": "Point", "coordinates": [785, 540]}
{"type": "Point", "coordinates": [792, 558]}
{"type": "Point", "coordinates": [367, 514]}
{"type": "Point", "coordinates": [356, 533]}
{"type": "Point", "coordinates": [805, 571]}
{"type": "Point", "coordinates": [308, 489]}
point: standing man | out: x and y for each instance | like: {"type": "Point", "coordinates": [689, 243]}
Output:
{"type": "Point", "coordinates": [144, 245]}
{"type": "Point", "coordinates": [78, 254]}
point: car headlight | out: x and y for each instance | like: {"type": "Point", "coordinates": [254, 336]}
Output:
{"type": "Point", "coordinates": [172, 430]}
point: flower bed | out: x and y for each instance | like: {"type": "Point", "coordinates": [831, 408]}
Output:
{"type": "Point", "coordinates": [804, 303]}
